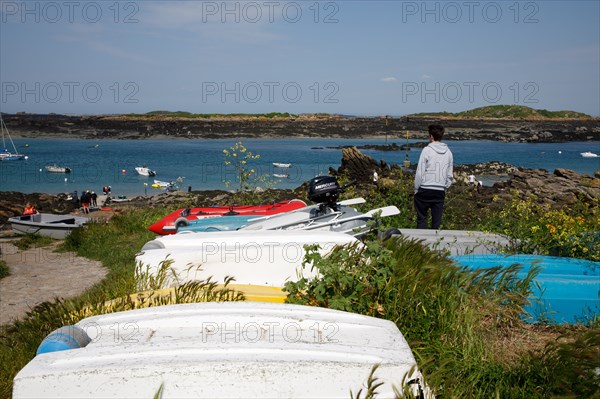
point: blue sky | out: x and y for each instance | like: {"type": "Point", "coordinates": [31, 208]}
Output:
{"type": "Point", "coordinates": [349, 57]}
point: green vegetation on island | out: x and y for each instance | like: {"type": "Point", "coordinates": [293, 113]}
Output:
{"type": "Point", "coordinates": [508, 112]}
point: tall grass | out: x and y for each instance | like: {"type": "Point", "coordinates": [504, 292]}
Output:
{"type": "Point", "coordinates": [453, 319]}
{"type": "Point", "coordinates": [457, 322]}
{"type": "Point", "coordinates": [115, 245]}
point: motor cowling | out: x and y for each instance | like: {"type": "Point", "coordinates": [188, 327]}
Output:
{"type": "Point", "coordinates": [323, 189]}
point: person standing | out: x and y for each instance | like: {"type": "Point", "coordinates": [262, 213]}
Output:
{"type": "Point", "coordinates": [433, 177]}
{"type": "Point", "coordinates": [29, 209]}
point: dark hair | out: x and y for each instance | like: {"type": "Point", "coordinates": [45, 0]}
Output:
{"type": "Point", "coordinates": [436, 131]}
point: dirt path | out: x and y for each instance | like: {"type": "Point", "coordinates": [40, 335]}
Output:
{"type": "Point", "coordinates": [39, 275]}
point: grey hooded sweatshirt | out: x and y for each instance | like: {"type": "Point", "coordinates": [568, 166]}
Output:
{"type": "Point", "coordinates": [435, 168]}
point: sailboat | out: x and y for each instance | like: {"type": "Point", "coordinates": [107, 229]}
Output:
{"type": "Point", "coordinates": [6, 155]}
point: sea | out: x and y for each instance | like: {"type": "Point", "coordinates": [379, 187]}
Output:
{"type": "Point", "coordinates": [200, 164]}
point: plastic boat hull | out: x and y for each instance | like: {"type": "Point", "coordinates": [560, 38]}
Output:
{"type": "Point", "coordinates": [46, 224]}
{"type": "Point", "coordinates": [253, 258]}
{"type": "Point", "coordinates": [223, 350]}
{"type": "Point", "coordinates": [168, 224]}
{"type": "Point", "coordinates": [566, 291]}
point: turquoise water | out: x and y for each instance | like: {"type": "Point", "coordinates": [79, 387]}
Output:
{"type": "Point", "coordinates": [199, 163]}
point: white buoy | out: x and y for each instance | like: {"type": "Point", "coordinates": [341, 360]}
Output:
{"type": "Point", "coordinates": [560, 152]}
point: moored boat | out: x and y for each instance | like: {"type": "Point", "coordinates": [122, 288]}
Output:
{"type": "Point", "coordinates": [5, 154]}
{"type": "Point", "coordinates": [47, 224]}
{"type": "Point", "coordinates": [589, 154]}
{"type": "Point", "coordinates": [57, 169]}
{"type": "Point", "coordinates": [281, 165]}
{"type": "Point", "coordinates": [145, 171]}
{"type": "Point", "coordinates": [222, 350]}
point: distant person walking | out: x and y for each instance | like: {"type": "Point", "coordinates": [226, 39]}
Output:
{"type": "Point", "coordinates": [433, 177]}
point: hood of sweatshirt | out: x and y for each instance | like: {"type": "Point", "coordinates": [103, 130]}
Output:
{"type": "Point", "coordinates": [440, 148]}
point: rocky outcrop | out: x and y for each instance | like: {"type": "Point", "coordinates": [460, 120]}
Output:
{"type": "Point", "coordinates": [358, 166]}
{"type": "Point", "coordinates": [141, 127]}
{"type": "Point", "coordinates": [562, 188]}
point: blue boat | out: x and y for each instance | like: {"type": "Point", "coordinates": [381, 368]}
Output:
{"type": "Point", "coordinates": [225, 223]}
{"type": "Point", "coordinates": [567, 290]}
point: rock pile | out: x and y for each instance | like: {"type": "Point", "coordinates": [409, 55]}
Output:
{"type": "Point", "coordinates": [562, 188]}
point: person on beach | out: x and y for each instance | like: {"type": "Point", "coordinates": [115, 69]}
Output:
{"type": "Point", "coordinates": [433, 177]}
{"type": "Point", "coordinates": [29, 209]}
{"type": "Point", "coordinates": [85, 202]}
{"type": "Point", "coordinates": [94, 198]}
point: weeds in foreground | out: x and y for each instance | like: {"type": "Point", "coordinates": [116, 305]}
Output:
{"type": "Point", "coordinates": [32, 241]}
{"type": "Point", "coordinates": [4, 270]}
{"type": "Point", "coordinates": [115, 244]}
{"type": "Point", "coordinates": [452, 318]}
{"type": "Point", "coordinates": [537, 228]}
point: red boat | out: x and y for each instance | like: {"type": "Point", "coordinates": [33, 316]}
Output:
{"type": "Point", "coordinates": [182, 217]}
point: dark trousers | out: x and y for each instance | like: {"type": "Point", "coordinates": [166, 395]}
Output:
{"type": "Point", "coordinates": [426, 199]}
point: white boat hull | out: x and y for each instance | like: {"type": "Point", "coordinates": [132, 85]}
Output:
{"type": "Point", "coordinates": [145, 171]}
{"type": "Point", "coordinates": [257, 258]}
{"type": "Point", "coordinates": [224, 350]}
{"type": "Point", "coordinates": [47, 224]}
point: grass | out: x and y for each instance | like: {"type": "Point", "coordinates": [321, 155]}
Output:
{"type": "Point", "coordinates": [32, 241]}
{"type": "Point", "coordinates": [114, 244]}
{"type": "Point", "coordinates": [453, 319]}
{"type": "Point", "coordinates": [4, 270]}
{"type": "Point", "coordinates": [463, 327]}
{"type": "Point", "coordinates": [510, 112]}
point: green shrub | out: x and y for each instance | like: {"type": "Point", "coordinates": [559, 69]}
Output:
{"type": "Point", "coordinates": [453, 319]}
{"type": "Point", "coordinates": [537, 228]}
{"type": "Point", "coordinates": [4, 270]}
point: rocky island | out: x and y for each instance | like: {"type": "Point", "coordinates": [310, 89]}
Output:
{"type": "Point", "coordinates": [504, 124]}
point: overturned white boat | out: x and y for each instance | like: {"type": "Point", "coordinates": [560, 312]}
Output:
{"type": "Point", "coordinates": [222, 350]}
{"type": "Point", "coordinates": [252, 258]}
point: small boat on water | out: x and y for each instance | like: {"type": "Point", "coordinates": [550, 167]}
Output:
{"type": "Point", "coordinates": [280, 175]}
{"type": "Point", "coordinates": [58, 169]}
{"type": "Point", "coordinates": [564, 292]}
{"type": "Point", "coordinates": [222, 350]}
{"type": "Point", "coordinates": [145, 171]}
{"type": "Point", "coordinates": [281, 165]}
{"type": "Point", "coordinates": [589, 154]}
{"type": "Point", "coordinates": [5, 154]}
{"type": "Point", "coordinates": [47, 224]}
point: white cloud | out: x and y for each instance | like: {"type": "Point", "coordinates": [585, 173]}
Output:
{"type": "Point", "coordinates": [389, 79]}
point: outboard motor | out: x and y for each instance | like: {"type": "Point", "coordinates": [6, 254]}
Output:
{"type": "Point", "coordinates": [324, 190]}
